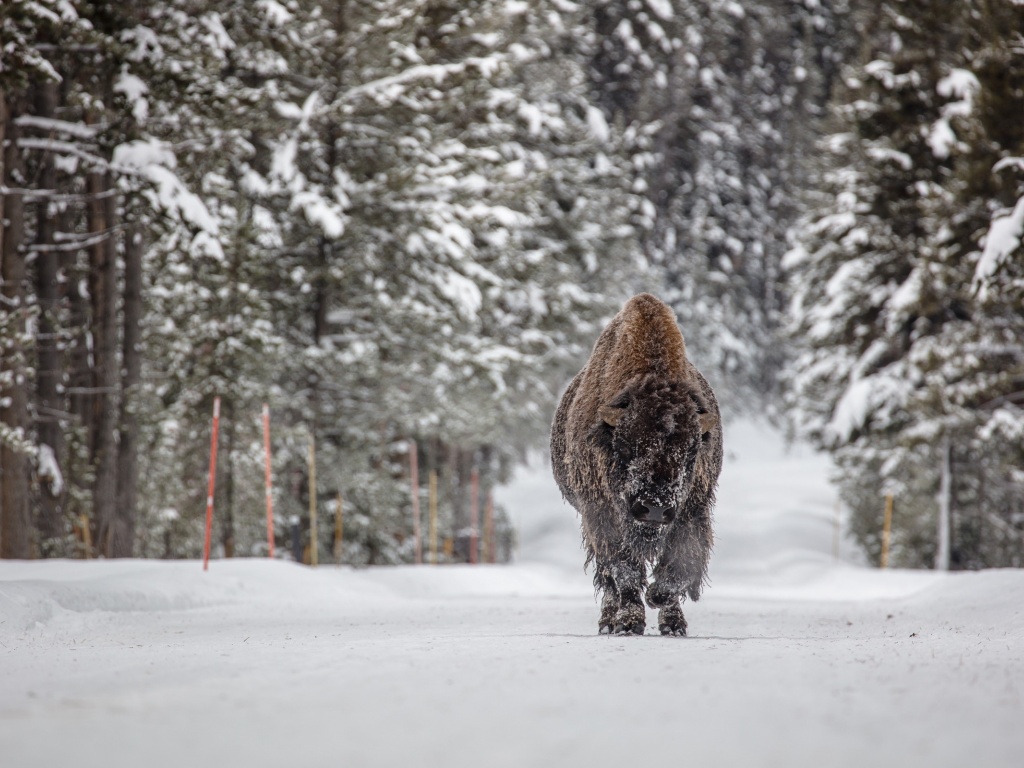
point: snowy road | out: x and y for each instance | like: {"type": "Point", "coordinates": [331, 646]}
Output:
{"type": "Point", "coordinates": [793, 658]}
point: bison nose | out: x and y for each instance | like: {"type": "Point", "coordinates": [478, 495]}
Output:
{"type": "Point", "coordinates": [647, 512]}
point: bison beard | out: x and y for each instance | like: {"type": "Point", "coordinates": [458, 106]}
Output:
{"type": "Point", "coordinates": [636, 448]}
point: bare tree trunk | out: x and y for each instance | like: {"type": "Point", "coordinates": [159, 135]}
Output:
{"type": "Point", "coordinates": [15, 522]}
{"type": "Point", "coordinates": [321, 300]}
{"type": "Point", "coordinates": [226, 479]}
{"type": "Point", "coordinates": [79, 364]}
{"type": "Point", "coordinates": [945, 505]}
{"type": "Point", "coordinates": [49, 374]}
{"type": "Point", "coordinates": [320, 309]}
{"type": "Point", "coordinates": [103, 293]}
{"type": "Point", "coordinates": [461, 471]}
{"type": "Point", "coordinates": [78, 477]}
{"type": "Point", "coordinates": [126, 513]}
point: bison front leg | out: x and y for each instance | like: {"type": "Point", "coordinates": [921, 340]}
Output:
{"type": "Point", "coordinates": [681, 570]}
{"type": "Point", "coordinates": [666, 595]}
{"type": "Point", "coordinates": [673, 575]}
{"type": "Point", "coordinates": [630, 577]}
{"type": "Point", "coordinates": [609, 600]}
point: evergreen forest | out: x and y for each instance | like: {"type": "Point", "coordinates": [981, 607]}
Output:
{"type": "Point", "coordinates": [401, 224]}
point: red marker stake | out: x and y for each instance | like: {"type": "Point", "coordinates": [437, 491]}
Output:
{"type": "Point", "coordinates": [269, 486]}
{"type": "Point", "coordinates": [213, 477]}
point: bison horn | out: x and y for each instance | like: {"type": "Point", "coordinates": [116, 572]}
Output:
{"type": "Point", "coordinates": [610, 414]}
{"type": "Point", "coordinates": [707, 421]}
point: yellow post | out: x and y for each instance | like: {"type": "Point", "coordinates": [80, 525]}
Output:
{"type": "Point", "coordinates": [489, 528]}
{"type": "Point", "coordinates": [339, 529]}
{"type": "Point", "coordinates": [433, 517]}
{"type": "Point", "coordinates": [313, 554]}
{"type": "Point", "coordinates": [886, 531]}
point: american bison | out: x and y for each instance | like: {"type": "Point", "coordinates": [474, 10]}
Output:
{"type": "Point", "coordinates": [636, 448]}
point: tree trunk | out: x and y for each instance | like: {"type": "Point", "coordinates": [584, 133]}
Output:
{"type": "Point", "coordinates": [103, 413]}
{"type": "Point", "coordinates": [320, 308]}
{"type": "Point", "coordinates": [15, 523]}
{"type": "Point", "coordinates": [79, 365]}
{"type": "Point", "coordinates": [49, 375]}
{"type": "Point", "coordinates": [126, 513]}
{"type": "Point", "coordinates": [945, 505]}
{"type": "Point", "coordinates": [78, 477]}
{"type": "Point", "coordinates": [226, 481]}
{"type": "Point", "coordinates": [321, 298]}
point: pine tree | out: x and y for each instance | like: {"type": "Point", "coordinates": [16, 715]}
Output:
{"type": "Point", "coordinates": [899, 358]}
{"type": "Point", "coordinates": [211, 277]}
{"type": "Point", "coordinates": [390, 221]}
{"type": "Point", "coordinates": [31, 370]}
{"type": "Point", "coordinates": [14, 443]}
{"type": "Point", "coordinates": [724, 99]}
{"type": "Point", "coordinates": [446, 145]}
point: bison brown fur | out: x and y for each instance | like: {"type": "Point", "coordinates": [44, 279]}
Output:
{"type": "Point", "coordinates": [636, 448]}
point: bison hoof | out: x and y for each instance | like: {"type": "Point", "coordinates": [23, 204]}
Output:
{"type": "Point", "coordinates": [630, 620]}
{"type": "Point", "coordinates": [671, 622]}
{"type": "Point", "coordinates": [670, 631]}
{"type": "Point", "coordinates": [631, 629]}
{"type": "Point", "coordinates": [605, 629]}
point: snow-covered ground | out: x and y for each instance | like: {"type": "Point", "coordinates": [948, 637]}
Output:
{"type": "Point", "coordinates": [795, 658]}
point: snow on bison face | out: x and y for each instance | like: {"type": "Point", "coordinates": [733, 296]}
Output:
{"type": "Point", "coordinates": [651, 434]}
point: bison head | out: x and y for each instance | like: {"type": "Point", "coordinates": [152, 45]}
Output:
{"type": "Point", "coordinates": [651, 433]}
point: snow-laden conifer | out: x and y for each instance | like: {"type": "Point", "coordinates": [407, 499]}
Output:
{"type": "Point", "coordinates": [902, 349]}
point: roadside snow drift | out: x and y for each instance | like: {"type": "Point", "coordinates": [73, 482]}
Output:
{"type": "Point", "coordinates": [795, 658]}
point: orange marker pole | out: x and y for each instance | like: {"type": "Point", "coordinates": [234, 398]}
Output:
{"type": "Point", "coordinates": [414, 474]}
{"type": "Point", "coordinates": [474, 514]}
{"type": "Point", "coordinates": [269, 486]}
{"type": "Point", "coordinates": [86, 536]}
{"type": "Point", "coordinates": [213, 478]}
